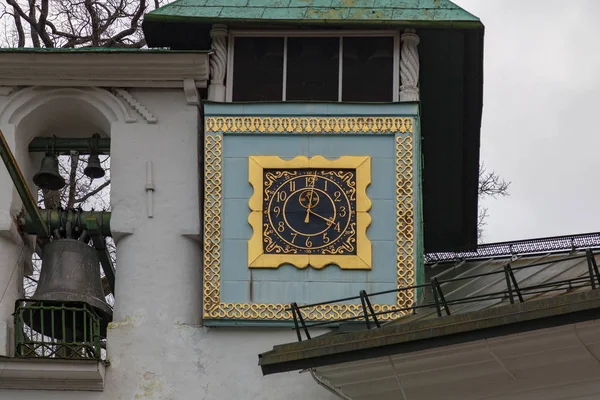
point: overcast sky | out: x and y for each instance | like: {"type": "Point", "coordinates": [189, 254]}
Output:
{"type": "Point", "coordinates": [541, 115]}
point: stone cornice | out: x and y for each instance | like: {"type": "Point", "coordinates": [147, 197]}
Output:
{"type": "Point", "coordinates": [40, 374]}
{"type": "Point", "coordinates": [129, 69]}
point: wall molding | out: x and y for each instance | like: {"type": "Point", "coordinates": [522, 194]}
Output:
{"type": "Point", "coordinates": [103, 69]}
{"type": "Point", "coordinates": [136, 105]}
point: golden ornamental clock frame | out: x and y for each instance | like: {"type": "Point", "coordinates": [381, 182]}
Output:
{"type": "Point", "coordinates": [288, 193]}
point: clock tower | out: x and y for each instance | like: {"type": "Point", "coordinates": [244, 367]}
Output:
{"type": "Point", "coordinates": [339, 144]}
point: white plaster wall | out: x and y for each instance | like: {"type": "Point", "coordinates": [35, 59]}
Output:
{"type": "Point", "coordinates": [156, 347]}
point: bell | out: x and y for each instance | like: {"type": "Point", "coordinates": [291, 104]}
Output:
{"type": "Point", "coordinates": [48, 177]}
{"type": "Point", "coordinates": [94, 169]}
{"type": "Point", "coordinates": [70, 275]}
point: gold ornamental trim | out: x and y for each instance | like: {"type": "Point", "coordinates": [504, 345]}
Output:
{"type": "Point", "coordinates": [378, 125]}
{"type": "Point", "coordinates": [360, 261]}
{"type": "Point", "coordinates": [215, 309]}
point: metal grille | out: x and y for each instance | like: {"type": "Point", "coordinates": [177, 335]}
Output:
{"type": "Point", "coordinates": [55, 330]}
{"type": "Point", "coordinates": [520, 247]}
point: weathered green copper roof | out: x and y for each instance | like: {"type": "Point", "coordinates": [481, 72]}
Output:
{"type": "Point", "coordinates": [416, 12]}
{"type": "Point", "coordinates": [92, 50]}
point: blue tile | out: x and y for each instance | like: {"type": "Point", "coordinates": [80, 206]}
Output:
{"type": "Point", "coordinates": [285, 273]}
{"type": "Point", "coordinates": [388, 298]}
{"type": "Point", "coordinates": [264, 145]}
{"type": "Point", "coordinates": [351, 145]}
{"type": "Point", "coordinates": [327, 291]}
{"type": "Point", "coordinates": [279, 292]}
{"type": "Point", "coordinates": [333, 273]}
{"type": "Point", "coordinates": [235, 291]}
{"type": "Point", "coordinates": [310, 108]}
{"type": "Point", "coordinates": [234, 219]}
{"type": "Point", "coordinates": [384, 262]}
{"type": "Point", "coordinates": [383, 179]}
{"type": "Point", "coordinates": [383, 225]}
{"type": "Point", "coordinates": [235, 182]}
{"type": "Point", "coordinates": [234, 260]}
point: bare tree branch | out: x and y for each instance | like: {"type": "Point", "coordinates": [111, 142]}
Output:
{"type": "Point", "coordinates": [490, 185]}
{"type": "Point", "coordinates": [19, 28]}
{"type": "Point", "coordinates": [92, 193]}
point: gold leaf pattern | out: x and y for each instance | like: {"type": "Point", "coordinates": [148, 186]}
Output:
{"type": "Point", "coordinates": [381, 125]}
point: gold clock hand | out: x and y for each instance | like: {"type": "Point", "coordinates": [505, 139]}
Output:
{"type": "Point", "coordinates": [310, 196]}
{"type": "Point", "coordinates": [329, 220]}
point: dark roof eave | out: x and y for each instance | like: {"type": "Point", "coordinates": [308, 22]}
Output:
{"type": "Point", "coordinates": [428, 334]}
{"type": "Point", "coordinates": [457, 24]}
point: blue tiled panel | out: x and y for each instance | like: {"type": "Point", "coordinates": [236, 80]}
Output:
{"type": "Point", "coordinates": [239, 284]}
{"type": "Point", "coordinates": [341, 145]}
{"type": "Point", "coordinates": [312, 109]}
{"type": "Point", "coordinates": [284, 146]}
{"type": "Point", "coordinates": [289, 283]}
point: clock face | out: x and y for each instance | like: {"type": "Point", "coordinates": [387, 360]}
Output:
{"type": "Point", "coordinates": [309, 211]}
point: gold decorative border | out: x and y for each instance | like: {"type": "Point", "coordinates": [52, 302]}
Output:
{"type": "Point", "coordinates": [213, 145]}
{"type": "Point", "coordinates": [256, 256]}
{"type": "Point", "coordinates": [405, 220]}
{"type": "Point", "coordinates": [380, 125]}
{"type": "Point", "coordinates": [214, 309]}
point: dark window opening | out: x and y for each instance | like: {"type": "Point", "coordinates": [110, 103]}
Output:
{"type": "Point", "coordinates": [368, 69]}
{"type": "Point", "coordinates": [258, 69]}
{"type": "Point", "coordinates": [313, 69]}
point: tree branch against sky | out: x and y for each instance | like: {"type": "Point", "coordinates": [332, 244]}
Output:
{"type": "Point", "coordinates": [74, 23]}
{"type": "Point", "coordinates": [490, 185]}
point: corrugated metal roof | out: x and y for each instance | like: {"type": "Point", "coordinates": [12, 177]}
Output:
{"type": "Point", "coordinates": [479, 283]}
{"type": "Point", "coordinates": [380, 11]}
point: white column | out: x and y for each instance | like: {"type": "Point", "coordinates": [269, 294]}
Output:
{"type": "Point", "coordinates": [409, 66]}
{"type": "Point", "coordinates": [218, 63]}
{"type": "Point", "coordinates": [158, 273]}
{"type": "Point", "coordinates": [13, 254]}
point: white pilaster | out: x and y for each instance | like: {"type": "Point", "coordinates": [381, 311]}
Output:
{"type": "Point", "coordinates": [218, 63]}
{"type": "Point", "coordinates": [12, 255]}
{"type": "Point", "coordinates": [409, 66]}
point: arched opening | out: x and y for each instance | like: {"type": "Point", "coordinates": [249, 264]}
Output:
{"type": "Point", "coordinates": [68, 114]}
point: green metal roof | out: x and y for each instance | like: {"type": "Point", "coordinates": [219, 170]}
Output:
{"type": "Point", "coordinates": [92, 50]}
{"type": "Point", "coordinates": [415, 12]}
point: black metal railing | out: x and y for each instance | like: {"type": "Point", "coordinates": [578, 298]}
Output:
{"type": "Point", "coordinates": [45, 329]}
{"type": "Point", "coordinates": [520, 247]}
{"type": "Point", "coordinates": [513, 292]}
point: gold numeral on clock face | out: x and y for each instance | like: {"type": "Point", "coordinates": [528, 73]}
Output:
{"type": "Point", "coordinates": [294, 237]}
{"type": "Point", "coordinates": [342, 211]}
{"type": "Point", "coordinates": [326, 238]}
{"type": "Point", "coordinates": [281, 226]}
{"type": "Point", "coordinates": [337, 196]}
{"type": "Point", "coordinates": [308, 242]}
{"type": "Point", "coordinates": [281, 196]}
{"type": "Point", "coordinates": [292, 186]}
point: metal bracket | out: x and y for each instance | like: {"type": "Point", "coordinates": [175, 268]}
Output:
{"type": "Point", "coordinates": [439, 298]}
{"type": "Point", "coordinates": [592, 267]}
{"type": "Point", "coordinates": [298, 317]}
{"type": "Point", "coordinates": [366, 305]}
{"type": "Point", "coordinates": [510, 277]}
{"type": "Point", "coordinates": [93, 229]}
{"type": "Point", "coordinates": [65, 145]}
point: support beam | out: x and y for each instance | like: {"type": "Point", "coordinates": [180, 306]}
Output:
{"type": "Point", "coordinates": [38, 225]}
{"type": "Point", "coordinates": [55, 219]}
{"type": "Point", "coordinates": [65, 145]}
{"type": "Point", "coordinates": [93, 229]}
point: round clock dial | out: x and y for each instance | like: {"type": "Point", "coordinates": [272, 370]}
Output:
{"type": "Point", "coordinates": [310, 211]}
